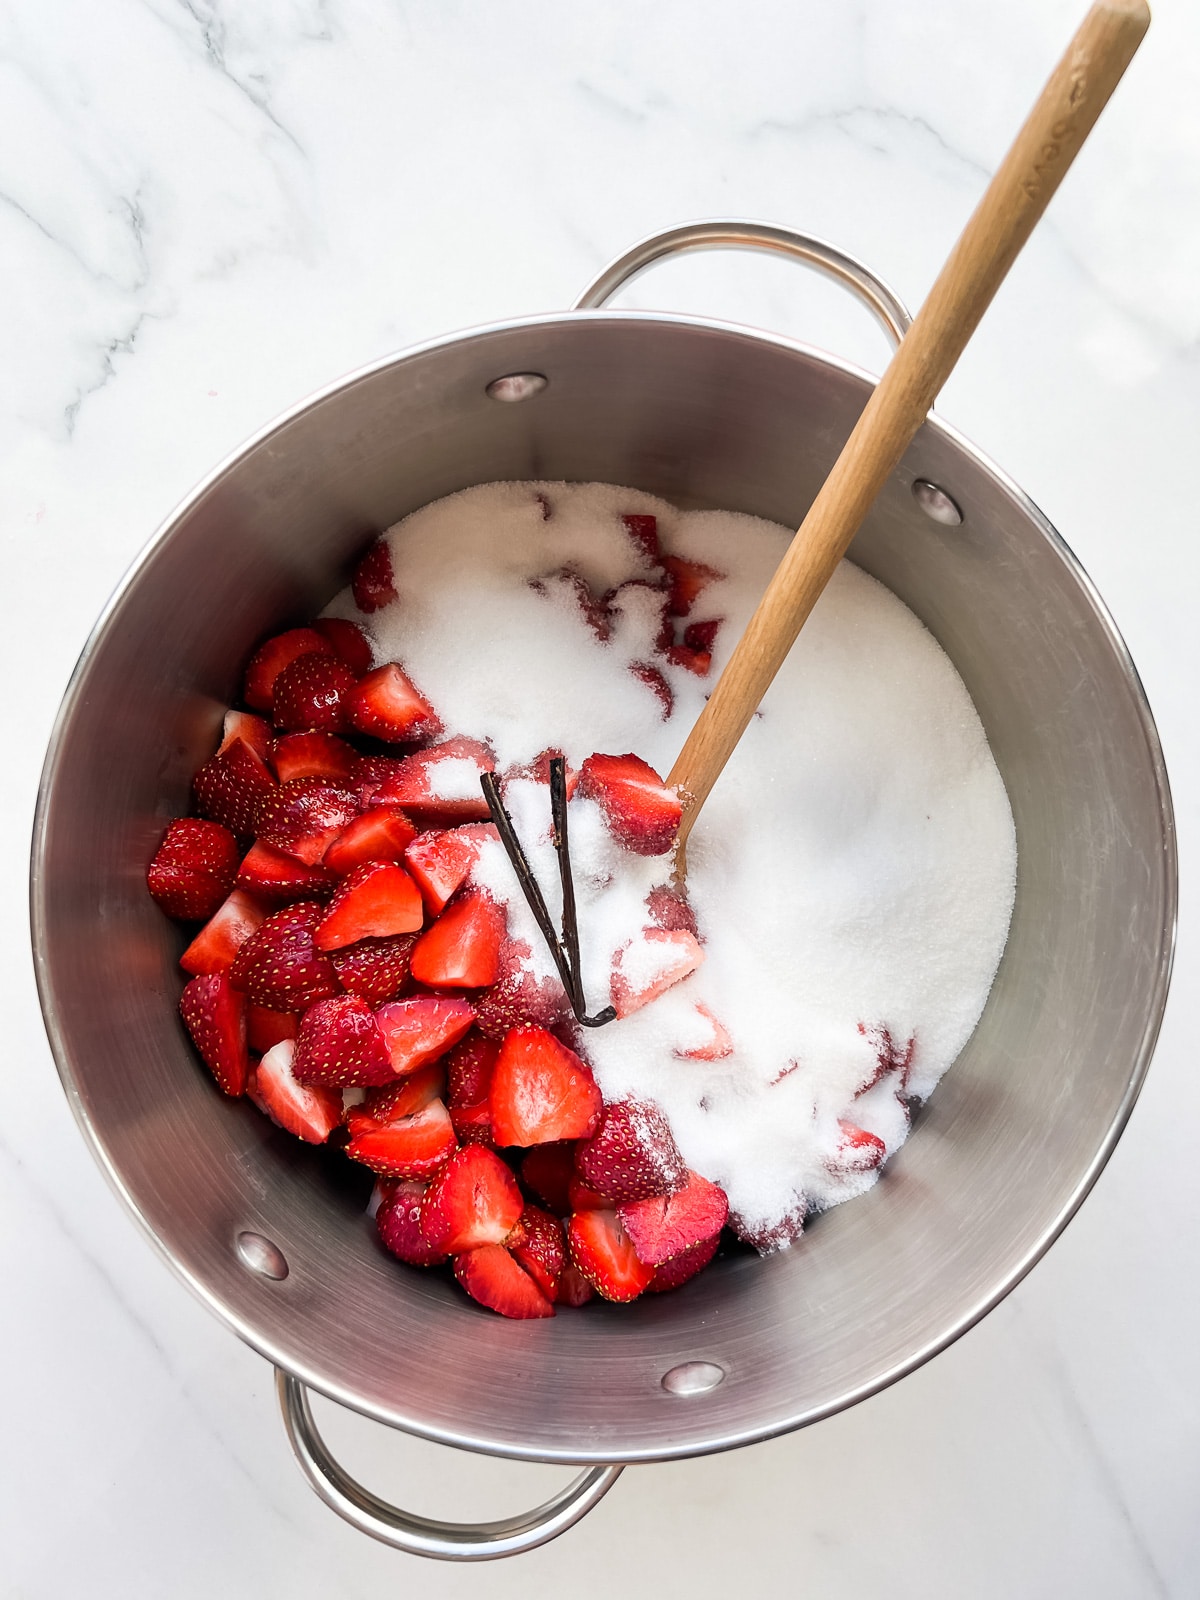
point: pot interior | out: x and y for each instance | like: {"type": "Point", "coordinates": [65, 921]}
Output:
{"type": "Point", "coordinates": [701, 414]}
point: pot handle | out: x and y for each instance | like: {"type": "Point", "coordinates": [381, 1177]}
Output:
{"type": "Point", "coordinates": [422, 1536]}
{"type": "Point", "coordinates": [889, 310]}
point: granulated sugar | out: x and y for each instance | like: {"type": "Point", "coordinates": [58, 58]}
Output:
{"type": "Point", "coordinates": [852, 871]}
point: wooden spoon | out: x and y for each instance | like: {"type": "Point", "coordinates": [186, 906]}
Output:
{"type": "Point", "coordinates": [1061, 120]}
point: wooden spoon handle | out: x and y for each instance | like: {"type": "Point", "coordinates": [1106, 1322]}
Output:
{"type": "Point", "coordinates": [1014, 200]}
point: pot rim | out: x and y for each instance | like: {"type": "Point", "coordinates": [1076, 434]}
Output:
{"type": "Point", "coordinates": [582, 1455]}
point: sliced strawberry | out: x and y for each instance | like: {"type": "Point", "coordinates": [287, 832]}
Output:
{"type": "Point", "coordinates": [717, 1044]}
{"type": "Point", "coordinates": [582, 1197]}
{"type": "Point", "coordinates": [889, 1056]}
{"type": "Point", "coordinates": [473, 1124]}
{"type": "Point", "coordinates": [668, 908]}
{"type": "Point", "coordinates": [305, 817]}
{"type": "Point", "coordinates": [278, 879]}
{"type": "Point", "coordinates": [462, 949]}
{"type": "Point", "coordinates": [381, 834]}
{"type": "Point", "coordinates": [222, 936]}
{"type": "Point", "coordinates": [538, 771]}
{"type": "Point", "coordinates": [387, 705]}
{"type": "Point", "coordinates": [643, 530]}
{"type": "Point", "coordinates": [542, 1251]}
{"type": "Point", "coordinates": [376, 969]}
{"type": "Point", "coordinates": [251, 730]}
{"type": "Point", "coordinates": [311, 694]}
{"type": "Point", "coordinates": [279, 966]}
{"type": "Point", "coordinates": [311, 1112]}
{"type": "Point", "coordinates": [571, 586]}
{"type": "Point", "coordinates": [373, 583]}
{"type": "Point", "coordinates": [439, 786]}
{"type": "Point", "coordinates": [474, 1200]}
{"type": "Point", "coordinates": [604, 1253]}
{"type": "Point", "coordinates": [400, 1098]}
{"type": "Point", "coordinates": [651, 965]}
{"type": "Point", "coordinates": [269, 660]}
{"type": "Point", "coordinates": [642, 814]}
{"type": "Point", "coordinates": [857, 1150]}
{"type": "Point", "coordinates": [399, 1222]}
{"type": "Point", "coordinates": [313, 755]}
{"type": "Point", "coordinates": [548, 1169]}
{"type": "Point", "coordinates": [769, 1237]}
{"type": "Point", "coordinates": [541, 1091]}
{"type": "Point", "coordinates": [656, 683]}
{"type": "Point", "coordinates": [193, 868]}
{"type": "Point", "coordinates": [688, 581]}
{"type": "Point", "coordinates": [215, 1016]}
{"type": "Point", "coordinates": [644, 605]}
{"type": "Point", "coordinates": [632, 1154]}
{"type": "Point", "coordinates": [349, 641]}
{"type": "Point", "coordinates": [697, 661]}
{"type": "Point", "coordinates": [370, 773]}
{"type": "Point", "coordinates": [423, 1028]}
{"type": "Point", "coordinates": [376, 901]}
{"type": "Point", "coordinates": [490, 1275]}
{"type": "Point", "coordinates": [520, 996]}
{"type": "Point", "coordinates": [265, 1029]}
{"type": "Point", "coordinates": [469, 1068]}
{"type": "Point", "coordinates": [234, 787]}
{"type": "Point", "coordinates": [416, 1146]}
{"type": "Point", "coordinates": [676, 1272]}
{"type": "Point", "coordinates": [573, 1287]}
{"type": "Point", "coordinates": [441, 861]}
{"type": "Point", "coordinates": [340, 1045]}
{"type": "Point", "coordinates": [663, 1227]}
{"type": "Point", "coordinates": [701, 636]}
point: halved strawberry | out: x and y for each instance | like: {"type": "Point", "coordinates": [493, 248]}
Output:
{"type": "Point", "coordinates": [222, 936]}
{"type": "Point", "coordinates": [652, 964]}
{"type": "Point", "coordinates": [520, 996]}
{"type": "Point", "coordinates": [643, 530]}
{"type": "Point", "coordinates": [541, 1091]}
{"type": "Point", "coordinates": [388, 705]}
{"type": "Point", "coordinates": [305, 816]}
{"type": "Point", "coordinates": [313, 755]}
{"type": "Point", "coordinates": [415, 1146]}
{"type": "Point", "coordinates": [311, 1112]}
{"type": "Point", "coordinates": [234, 787]}
{"type": "Point", "coordinates": [538, 771]}
{"type": "Point", "coordinates": [376, 969]}
{"type": "Point", "coordinates": [717, 1043]}
{"type": "Point", "coordinates": [697, 661]}
{"type": "Point", "coordinates": [688, 580]}
{"type": "Point", "coordinates": [373, 584]}
{"type": "Point", "coordinates": [439, 786]}
{"type": "Point", "coordinates": [349, 641]}
{"type": "Point", "coordinates": [642, 814]}
{"type": "Point", "coordinates": [663, 1227]}
{"type": "Point", "coordinates": [276, 878]}
{"type": "Point", "coordinates": [667, 907]}
{"type": "Point", "coordinates": [542, 1250]}
{"type": "Point", "coordinates": [269, 660]}
{"type": "Point", "coordinates": [548, 1169]}
{"type": "Point", "coordinates": [473, 1124]}
{"type": "Point", "coordinates": [265, 1028]}
{"type": "Point", "coordinates": [491, 1276]}
{"type": "Point", "coordinates": [280, 967]}
{"type": "Point", "coordinates": [474, 1200]}
{"type": "Point", "coordinates": [381, 834]}
{"type": "Point", "coordinates": [857, 1150]}
{"type": "Point", "coordinates": [251, 730]}
{"type": "Point", "coordinates": [400, 1098]}
{"type": "Point", "coordinates": [604, 1253]}
{"type": "Point", "coordinates": [462, 949]}
{"type": "Point", "coordinates": [567, 585]}
{"type": "Point", "coordinates": [193, 868]}
{"type": "Point", "coordinates": [701, 636]}
{"type": "Point", "coordinates": [376, 901]}
{"type": "Point", "coordinates": [399, 1222]}
{"type": "Point", "coordinates": [582, 1197]}
{"type": "Point", "coordinates": [676, 1272]}
{"type": "Point", "coordinates": [573, 1287]}
{"type": "Point", "coordinates": [421, 1029]}
{"type": "Point", "coordinates": [469, 1068]}
{"type": "Point", "coordinates": [441, 861]}
{"type": "Point", "coordinates": [340, 1045]}
{"type": "Point", "coordinates": [311, 694]}
{"type": "Point", "coordinates": [215, 1016]}
{"type": "Point", "coordinates": [632, 1154]}
{"type": "Point", "coordinates": [369, 774]}
{"type": "Point", "coordinates": [656, 683]}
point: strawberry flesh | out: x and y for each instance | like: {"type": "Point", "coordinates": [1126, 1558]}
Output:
{"type": "Point", "coordinates": [276, 879]}
{"type": "Point", "coordinates": [193, 868]}
{"type": "Point", "coordinates": [340, 1045]}
{"type": "Point", "coordinates": [650, 966]}
{"type": "Point", "coordinates": [643, 530]}
{"type": "Point", "coordinates": [414, 1146]}
{"type": "Point", "coordinates": [469, 1068]}
{"type": "Point", "coordinates": [604, 1253]}
{"type": "Point", "coordinates": [641, 813]}
{"type": "Point", "coordinates": [656, 683]}
{"type": "Point", "coordinates": [474, 1200]}
{"type": "Point", "coordinates": [631, 1155]}
{"type": "Point", "coordinates": [421, 1029]}
{"type": "Point", "coordinates": [672, 1274]}
{"type": "Point", "coordinates": [858, 1150]}
{"type": "Point", "coordinates": [269, 660]}
{"type": "Point", "coordinates": [376, 901]}
{"type": "Point", "coordinates": [688, 580]}
{"type": "Point", "coordinates": [413, 784]}
{"type": "Point", "coordinates": [215, 1015]}
{"type": "Point", "coordinates": [387, 705]}
{"type": "Point", "coordinates": [251, 730]}
{"type": "Point", "coordinates": [311, 1112]}
{"type": "Point", "coordinates": [491, 1276]}
{"type": "Point", "coordinates": [313, 755]}
{"type": "Point", "coordinates": [542, 1250]}
{"type": "Point", "coordinates": [305, 816]}
{"type": "Point", "coordinates": [349, 641]}
{"type": "Point", "coordinates": [373, 584]}
{"type": "Point", "coordinates": [311, 693]}
{"type": "Point", "coordinates": [381, 834]}
{"type": "Point", "coordinates": [223, 935]}
{"type": "Point", "coordinates": [541, 1091]}
{"type": "Point", "coordinates": [234, 788]}
{"type": "Point", "coordinates": [548, 1169]}
{"type": "Point", "coordinates": [265, 1029]}
{"type": "Point", "coordinates": [280, 967]}
{"type": "Point", "coordinates": [441, 861]}
{"type": "Point", "coordinates": [663, 1227]}
{"type": "Point", "coordinates": [462, 949]}
{"type": "Point", "coordinates": [376, 969]}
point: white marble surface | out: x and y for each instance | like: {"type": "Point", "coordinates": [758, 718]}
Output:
{"type": "Point", "coordinates": [210, 207]}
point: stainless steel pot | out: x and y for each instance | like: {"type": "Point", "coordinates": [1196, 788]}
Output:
{"type": "Point", "coordinates": [271, 1235]}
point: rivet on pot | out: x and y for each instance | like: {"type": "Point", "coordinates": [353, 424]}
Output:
{"type": "Point", "coordinates": [516, 386]}
{"type": "Point", "coordinates": [936, 503]}
{"type": "Point", "coordinates": [260, 1255]}
{"type": "Point", "coordinates": [693, 1377]}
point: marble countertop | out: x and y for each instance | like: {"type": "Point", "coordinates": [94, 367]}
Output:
{"type": "Point", "coordinates": [209, 208]}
